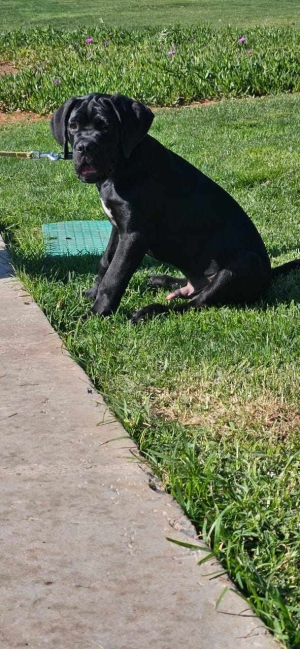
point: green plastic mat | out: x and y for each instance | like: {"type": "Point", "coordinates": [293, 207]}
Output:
{"type": "Point", "coordinates": [76, 238]}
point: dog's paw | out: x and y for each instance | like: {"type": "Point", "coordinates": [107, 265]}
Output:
{"type": "Point", "coordinates": [85, 316]}
{"type": "Point", "coordinates": [91, 293]}
{"type": "Point", "coordinates": [94, 312]}
{"type": "Point", "coordinates": [148, 312]}
{"type": "Point", "coordinates": [155, 281]}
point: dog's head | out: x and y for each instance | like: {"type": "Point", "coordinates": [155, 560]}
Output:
{"type": "Point", "coordinates": [100, 128]}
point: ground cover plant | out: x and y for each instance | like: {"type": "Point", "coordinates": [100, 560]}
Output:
{"type": "Point", "coordinates": [163, 67]}
{"type": "Point", "coordinates": [16, 13]}
{"type": "Point", "coordinates": [212, 398]}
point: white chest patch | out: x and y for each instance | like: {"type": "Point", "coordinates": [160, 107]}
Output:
{"type": "Point", "coordinates": [108, 213]}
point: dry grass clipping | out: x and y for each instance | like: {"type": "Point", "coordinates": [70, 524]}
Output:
{"type": "Point", "coordinates": [223, 413]}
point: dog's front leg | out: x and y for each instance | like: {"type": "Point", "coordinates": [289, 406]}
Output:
{"type": "Point", "coordinates": [104, 263]}
{"type": "Point", "coordinates": [131, 248]}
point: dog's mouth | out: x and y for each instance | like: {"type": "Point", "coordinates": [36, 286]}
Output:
{"type": "Point", "coordinates": [88, 174]}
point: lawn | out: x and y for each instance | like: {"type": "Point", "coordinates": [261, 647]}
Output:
{"type": "Point", "coordinates": [211, 397]}
{"type": "Point", "coordinates": [71, 14]}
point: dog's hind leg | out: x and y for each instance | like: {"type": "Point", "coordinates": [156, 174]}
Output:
{"type": "Point", "coordinates": [246, 279]}
{"type": "Point", "coordinates": [211, 294]}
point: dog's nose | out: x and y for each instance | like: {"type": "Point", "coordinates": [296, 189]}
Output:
{"type": "Point", "coordinates": [83, 147]}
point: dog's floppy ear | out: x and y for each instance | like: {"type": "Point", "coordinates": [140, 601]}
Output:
{"type": "Point", "coordinates": [135, 119]}
{"type": "Point", "coordinates": [59, 122]}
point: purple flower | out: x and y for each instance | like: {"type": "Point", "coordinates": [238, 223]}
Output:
{"type": "Point", "coordinates": [56, 81]}
{"type": "Point", "coordinates": [89, 40]}
{"type": "Point", "coordinates": [242, 39]}
{"type": "Point", "coordinates": [172, 51]}
{"type": "Point", "coordinates": [105, 42]}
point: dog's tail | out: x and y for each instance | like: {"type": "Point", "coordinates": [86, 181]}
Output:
{"type": "Point", "coordinates": [284, 269]}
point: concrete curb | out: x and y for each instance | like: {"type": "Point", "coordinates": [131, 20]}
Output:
{"type": "Point", "coordinates": [85, 560]}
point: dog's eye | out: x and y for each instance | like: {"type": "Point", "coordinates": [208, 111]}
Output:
{"type": "Point", "coordinates": [101, 124]}
{"type": "Point", "coordinates": [73, 126]}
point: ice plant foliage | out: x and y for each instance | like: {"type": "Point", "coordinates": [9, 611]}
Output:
{"type": "Point", "coordinates": [159, 67]}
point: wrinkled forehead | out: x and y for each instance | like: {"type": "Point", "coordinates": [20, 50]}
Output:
{"type": "Point", "coordinates": [93, 108]}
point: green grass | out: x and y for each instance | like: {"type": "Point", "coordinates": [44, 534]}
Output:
{"type": "Point", "coordinates": [212, 398]}
{"type": "Point", "coordinates": [15, 13]}
{"type": "Point", "coordinates": [162, 67]}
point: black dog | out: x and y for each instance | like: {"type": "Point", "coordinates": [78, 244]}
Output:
{"type": "Point", "coordinates": [161, 205]}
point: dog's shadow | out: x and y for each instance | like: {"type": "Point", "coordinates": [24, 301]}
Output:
{"type": "Point", "coordinates": [80, 266]}
{"type": "Point", "coordinates": [61, 266]}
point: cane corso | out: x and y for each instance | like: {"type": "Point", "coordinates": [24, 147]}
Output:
{"type": "Point", "coordinates": [161, 205]}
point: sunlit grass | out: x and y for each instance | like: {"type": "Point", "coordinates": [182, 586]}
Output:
{"type": "Point", "coordinates": [71, 14]}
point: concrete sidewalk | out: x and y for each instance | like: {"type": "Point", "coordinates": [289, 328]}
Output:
{"type": "Point", "coordinates": [84, 557]}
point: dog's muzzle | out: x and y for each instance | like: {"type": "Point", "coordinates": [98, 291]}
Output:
{"type": "Point", "coordinates": [90, 168]}
{"type": "Point", "coordinates": [85, 167]}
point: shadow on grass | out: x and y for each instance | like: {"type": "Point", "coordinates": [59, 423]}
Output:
{"type": "Point", "coordinates": [283, 249]}
{"type": "Point", "coordinates": [60, 267]}
{"type": "Point", "coordinates": [5, 268]}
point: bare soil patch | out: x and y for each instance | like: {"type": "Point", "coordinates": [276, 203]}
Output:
{"type": "Point", "coordinates": [7, 67]}
{"type": "Point", "coordinates": [202, 102]}
{"type": "Point", "coordinates": [19, 116]}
